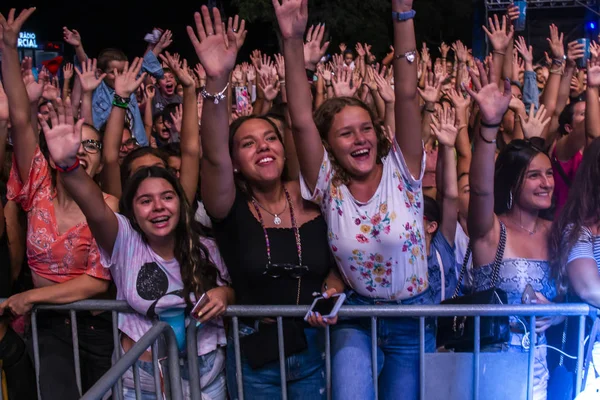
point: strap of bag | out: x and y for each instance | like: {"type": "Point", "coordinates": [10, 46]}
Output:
{"type": "Point", "coordinates": [442, 274]}
{"type": "Point", "coordinates": [556, 164]}
{"type": "Point", "coordinates": [563, 343]}
{"type": "Point", "coordinates": [497, 261]}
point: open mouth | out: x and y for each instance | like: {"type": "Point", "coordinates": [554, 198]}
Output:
{"type": "Point", "coordinates": [83, 162]}
{"type": "Point", "coordinates": [265, 161]}
{"type": "Point", "coordinates": [361, 154]}
{"type": "Point", "coordinates": [542, 194]}
{"type": "Point", "coordinates": [170, 87]}
{"type": "Point", "coordinates": [160, 222]}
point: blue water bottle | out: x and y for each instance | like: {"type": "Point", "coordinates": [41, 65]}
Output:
{"type": "Point", "coordinates": [176, 318]}
{"type": "Point", "coordinates": [520, 23]}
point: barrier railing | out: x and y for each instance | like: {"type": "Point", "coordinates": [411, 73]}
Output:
{"type": "Point", "coordinates": [111, 378]}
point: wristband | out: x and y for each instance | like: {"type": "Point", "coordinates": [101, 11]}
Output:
{"type": "Point", "coordinates": [65, 170]}
{"type": "Point", "coordinates": [485, 140]}
{"type": "Point", "coordinates": [486, 125]}
{"type": "Point", "coordinates": [403, 16]}
{"type": "Point", "coordinates": [121, 102]}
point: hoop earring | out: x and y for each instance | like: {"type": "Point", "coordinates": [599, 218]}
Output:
{"type": "Point", "coordinates": [509, 203]}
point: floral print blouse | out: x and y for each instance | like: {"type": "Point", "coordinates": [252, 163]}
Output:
{"type": "Point", "coordinates": [379, 245]}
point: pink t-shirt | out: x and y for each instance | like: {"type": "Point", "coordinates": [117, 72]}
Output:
{"type": "Point", "coordinates": [561, 188]}
{"type": "Point", "coordinates": [151, 285]}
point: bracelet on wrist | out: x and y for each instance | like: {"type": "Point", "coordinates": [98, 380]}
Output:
{"type": "Point", "coordinates": [499, 52]}
{"type": "Point", "coordinates": [487, 125]}
{"type": "Point", "coordinates": [214, 97]}
{"type": "Point", "coordinates": [486, 140]}
{"type": "Point", "coordinates": [67, 169]}
{"type": "Point", "coordinates": [121, 102]}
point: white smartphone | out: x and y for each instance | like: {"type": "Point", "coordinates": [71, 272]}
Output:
{"type": "Point", "coordinates": [204, 300]}
{"type": "Point", "coordinates": [327, 308]}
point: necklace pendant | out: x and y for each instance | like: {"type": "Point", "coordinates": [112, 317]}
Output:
{"type": "Point", "coordinates": [277, 220]}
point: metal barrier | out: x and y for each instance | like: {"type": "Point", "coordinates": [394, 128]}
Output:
{"type": "Point", "coordinates": [111, 378]}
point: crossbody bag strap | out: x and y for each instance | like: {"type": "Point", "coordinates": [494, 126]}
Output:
{"type": "Point", "coordinates": [499, 256]}
{"type": "Point", "coordinates": [588, 355]}
{"type": "Point", "coordinates": [463, 271]}
{"type": "Point", "coordinates": [561, 171]}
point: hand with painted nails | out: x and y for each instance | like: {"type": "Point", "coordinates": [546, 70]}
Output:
{"type": "Point", "coordinates": [317, 320]}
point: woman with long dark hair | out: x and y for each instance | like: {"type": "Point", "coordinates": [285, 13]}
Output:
{"type": "Point", "coordinates": [274, 242]}
{"type": "Point", "coordinates": [159, 261]}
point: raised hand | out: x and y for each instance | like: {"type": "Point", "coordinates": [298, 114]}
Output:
{"type": "Point", "coordinates": [525, 51]}
{"type": "Point", "coordinates": [87, 76]}
{"type": "Point", "coordinates": [127, 82]}
{"type": "Point", "coordinates": [384, 88]}
{"type": "Point", "coordinates": [165, 41]}
{"type": "Point", "coordinates": [497, 34]}
{"type": "Point", "coordinates": [270, 86]}
{"type": "Point", "coordinates": [251, 75]}
{"type": "Point", "coordinates": [216, 50]}
{"type": "Point", "coordinates": [11, 27]}
{"type": "Point", "coordinates": [443, 127]}
{"type": "Point", "coordinates": [459, 102]}
{"type": "Point", "coordinates": [555, 41]}
{"type": "Point", "coordinates": [180, 71]}
{"type": "Point", "coordinates": [444, 49]}
{"type": "Point", "coordinates": [71, 37]}
{"type": "Point", "coordinates": [200, 72]}
{"type": "Point", "coordinates": [51, 90]}
{"type": "Point", "coordinates": [313, 50]}
{"type": "Point", "coordinates": [149, 92]}
{"type": "Point", "coordinates": [575, 51]}
{"type": "Point", "coordinates": [360, 50]}
{"type": "Point", "coordinates": [280, 63]}
{"type": "Point", "coordinates": [34, 88]}
{"type": "Point", "coordinates": [239, 30]}
{"type": "Point", "coordinates": [461, 51]}
{"type": "Point", "coordinates": [64, 138]}
{"type": "Point", "coordinates": [432, 91]}
{"type": "Point", "coordinates": [593, 72]}
{"type": "Point", "coordinates": [343, 48]}
{"type": "Point", "coordinates": [513, 13]}
{"type": "Point", "coordinates": [341, 83]}
{"type": "Point", "coordinates": [492, 102]}
{"type": "Point", "coordinates": [292, 16]}
{"type": "Point", "coordinates": [535, 124]}
{"type": "Point", "coordinates": [68, 71]}
{"type": "Point", "coordinates": [3, 104]}
{"type": "Point", "coordinates": [238, 75]}
{"type": "Point", "coordinates": [177, 117]}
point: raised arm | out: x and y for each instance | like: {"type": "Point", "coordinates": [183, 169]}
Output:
{"type": "Point", "coordinates": [408, 115]}
{"type": "Point", "coordinates": [23, 134]}
{"type": "Point", "coordinates": [217, 52]}
{"type": "Point", "coordinates": [64, 141]}
{"type": "Point", "coordinates": [126, 83]}
{"type": "Point", "coordinates": [462, 144]}
{"type": "Point", "coordinates": [500, 39]}
{"type": "Point", "coordinates": [445, 131]}
{"type": "Point", "coordinates": [592, 106]}
{"type": "Point", "coordinates": [550, 95]}
{"type": "Point", "coordinates": [190, 138]}
{"type": "Point", "coordinates": [88, 82]}
{"type": "Point", "coordinates": [292, 16]}
{"type": "Point", "coordinates": [492, 105]}
{"type": "Point", "coordinates": [73, 38]}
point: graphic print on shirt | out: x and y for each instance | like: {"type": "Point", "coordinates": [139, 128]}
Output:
{"type": "Point", "coordinates": [152, 285]}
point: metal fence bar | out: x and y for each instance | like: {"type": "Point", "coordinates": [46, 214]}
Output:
{"type": "Point", "coordinates": [116, 372]}
{"type": "Point", "coordinates": [532, 342]}
{"type": "Point", "coordinates": [192, 355]}
{"type": "Point", "coordinates": [136, 381]}
{"type": "Point", "coordinates": [580, 348]}
{"type": "Point", "coordinates": [36, 351]}
{"type": "Point", "coordinates": [374, 355]}
{"type": "Point", "coordinates": [118, 386]}
{"type": "Point", "coordinates": [476, 354]}
{"type": "Point", "coordinates": [422, 358]}
{"type": "Point", "coordinates": [282, 360]}
{"type": "Point", "coordinates": [238, 357]}
{"type": "Point", "coordinates": [76, 363]}
{"type": "Point", "coordinates": [156, 370]}
{"type": "Point", "coordinates": [328, 361]}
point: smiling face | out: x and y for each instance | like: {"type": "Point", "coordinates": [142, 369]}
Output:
{"type": "Point", "coordinates": [538, 184]}
{"type": "Point", "coordinates": [156, 209]}
{"type": "Point", "coordinates": [353, 141]}
{"type": "Point", "coordinates": [258, 153]}
{"type": "Point", "coordinates": [167, 84]}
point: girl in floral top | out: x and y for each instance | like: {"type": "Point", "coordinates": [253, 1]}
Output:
{"type": "Point", "coordinates": [369, 191]}
{"type": "Point", "coordinates": [61, 250]}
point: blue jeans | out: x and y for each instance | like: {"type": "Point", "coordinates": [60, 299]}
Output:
{"type": "Point", "coordinates": [305, 372]}
{"type": "Point", "coordinates": [215, 389]}
{"type": "Point", "coordinates": [397, 355]}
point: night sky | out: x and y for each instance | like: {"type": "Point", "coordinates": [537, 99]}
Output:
{"type": "Point", "coordinates": [120, 24]}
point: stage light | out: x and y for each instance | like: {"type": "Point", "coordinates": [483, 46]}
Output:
{"type": "Point", "coordinates": [592, 25]}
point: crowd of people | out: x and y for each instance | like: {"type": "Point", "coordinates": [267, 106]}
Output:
{"type": "Point", "coordinates": [279, 178]}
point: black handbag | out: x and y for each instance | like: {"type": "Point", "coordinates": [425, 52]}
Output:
{"type": "Point", "coordinates": [457, 332]}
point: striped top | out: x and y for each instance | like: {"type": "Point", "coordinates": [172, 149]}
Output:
{"type": "Point", "coordinates": [587, 246]}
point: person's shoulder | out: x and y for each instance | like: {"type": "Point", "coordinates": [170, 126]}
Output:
{"type": "Point", "coordinates": [111, 201]}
